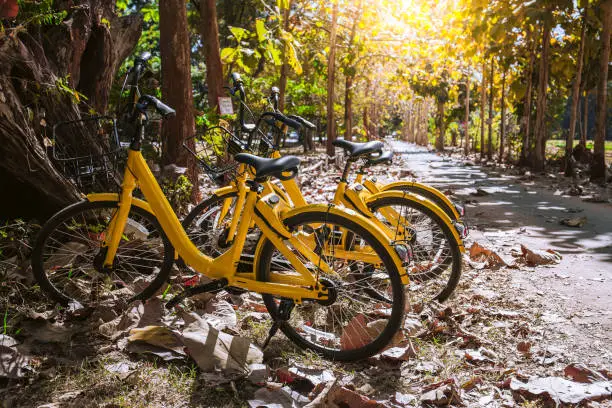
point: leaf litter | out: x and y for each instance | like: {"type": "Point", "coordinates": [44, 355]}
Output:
{"type": "Point", "coordinates": [490, 345]}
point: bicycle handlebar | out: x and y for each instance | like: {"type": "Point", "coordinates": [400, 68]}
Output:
{"type": "Point", "coordinates": [147, 100]}
{"type": "Point", "coordinates": [302, 121]}
{"type": "Point", "coordinates": [283, 119]}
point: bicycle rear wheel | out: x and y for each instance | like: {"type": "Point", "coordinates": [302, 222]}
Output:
{"type": "Point", "coordinates": [351, 324]}
{"type": "Point", "coordinates": [68, 255]}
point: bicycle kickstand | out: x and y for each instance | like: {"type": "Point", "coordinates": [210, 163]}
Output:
{"type": "Point", "coordinates": [282, 316]}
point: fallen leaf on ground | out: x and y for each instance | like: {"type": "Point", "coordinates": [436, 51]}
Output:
{"type": "Point", "coordinates": [159, 336]}
{"type": "Point", "coordinates": [488, 257]}
{"type": "Point", "coordinates": [583, 374]}
{"type": "Point", "coordinates": [344, 397]}
{"type": "Point", "coordinates": [220, 315]}
{"type": "Point", "coordinates": [277, 398]}
{"type": "Point", "coordinates": [560, 390]}
{"type": "Point", "coordinates": [443, 395]}
{"type": "Point", "coordinates": [12, 363]}
{"type": "Point", "coordinates": [124, 323]}
{"type": "Point", "coordinates": [403, 399]}
{"type": "Point", "coordinates": [480, 193]}
{"type": "Point", "coordinates": [359, 332]}
{"type": "Point", "coordinates": [576, 222]}
{"type": "Point", "coordinates": [539, 257]}
{"type": "Point", "coordinates": [211, 348]}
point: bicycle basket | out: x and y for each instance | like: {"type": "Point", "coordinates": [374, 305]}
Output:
{"type": "Point", "coordinates": [214, 149]}
{"type": "Point", "coordinates": [88, 152]}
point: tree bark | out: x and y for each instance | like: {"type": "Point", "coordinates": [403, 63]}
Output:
{"type": "Point", "coordinates": [540, 122]}
{"type": "Point", "coordinates": [331, 76]}
{"type": "Point", "coordinates": [366, 118]}
{"type": "Point", "coordinates": [348, 108]}
{"type": "Point", "coordinates": [585, 119]}
{"type": "Point", "coordinates": [350, 72]}
{"type": "Point", "coordinates": [282, 82]}
{"type": "Point", "coordinates": [490, 123]}
{"type": "Point", "coordinates": [89, 46]}
{"type": "Point", "coordinates": [598, 166]}
{"type": "Point", "coordinates": [483, 102]}
{"type": "Point", "coordinates": [209, 30]}
{"type": "Point", "coordinates": [526, 120]}
{"type": "Point", "coordinates": [466, 146]}
{"type": "Point", "coordinates": [569, 141]}
{"type": "Point", "coordinates": [502, 122]}
{"type": "Point", "coordinates": [441, 125]}
{"type": "Point", "coordinates": [177, 88]}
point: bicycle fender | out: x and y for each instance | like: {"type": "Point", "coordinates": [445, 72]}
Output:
{"type": "Point", "coordinates": [424, 187]}
{"type": "Point", "coordinates": [115, 197]}
{"type": "Point", "coordinates": [362, 222]}
{"type": "Point", "coordinates": [430, 205]}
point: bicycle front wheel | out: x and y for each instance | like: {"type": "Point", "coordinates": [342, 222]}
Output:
{"type": "Point", "coordinates": [68, 255]}
{"type": "Point", "coordinates": [436, 264]}
{"type": "Point", "coordinates": [352, 324]}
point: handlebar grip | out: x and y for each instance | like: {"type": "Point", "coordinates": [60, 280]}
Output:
{"type": "Point", "coordinates": [289, 122]}
{"type": "Point", "coordinates": [161, 108]}
{"type": "Point", "coordinates": [144, 57]}
{"type": "Point", "coordinates": [303, 121]}
{"type": "Point", "coordinates": [236, 78]}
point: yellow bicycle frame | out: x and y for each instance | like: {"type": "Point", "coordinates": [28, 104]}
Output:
{"type": "Point", "coordinates": [256, 211]}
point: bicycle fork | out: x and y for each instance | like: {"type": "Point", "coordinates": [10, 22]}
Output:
{"type": "Point", "coordinates": [116, 226]}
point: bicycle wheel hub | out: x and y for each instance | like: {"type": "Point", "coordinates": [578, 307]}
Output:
{"type": "Point", "coordinates": [332, 292]}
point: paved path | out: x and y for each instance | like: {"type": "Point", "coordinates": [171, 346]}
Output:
{"type": "Point", "coordinates": [522, 212]}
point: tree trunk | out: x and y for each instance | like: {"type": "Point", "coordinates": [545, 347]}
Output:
{"type": "Point", "coordinates": [490, 122]}
{"type": "Point", "coordinates": [585, 119]}
{"type": "Point", "coordinates": [177, 88]}
{"type": "Point", "coordinates": [526, 120]}
{"type": "Point", "coordinates": [540, 122]}
{"type": "Point", "coordinates": [331, 76]}
{"type": "Point", "coordinates": [348, 108]}
{"type": "Point", "coordinates": [569, 141]}
{"type": "Point", "coordinates": [466, 146]}
{"type": "Point", "coordinates": [441, 126]}
{"type": "Point", "coordinates": [598, 166]}
{"type": "Point", "coordinates": [483, 102]}
{"type": "Point", "coordinates": [350, 78]}
{"type": "Point", "coordinates": [89, 45]}
{"type": "Point", "coordinates": [209, 30]}
{"type": "Point", "coordinates": [282, 82]}
{"type": "Point", "coordinates": [502, 122]}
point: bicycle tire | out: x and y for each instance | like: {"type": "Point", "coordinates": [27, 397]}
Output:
{"type": "Point", "coordinates": [397, 307]}
{"type": "Point", "coordinates": [56, 220]}
{"type": "Point", "coordinates": [443, 205]}
{"type": "Point", "coordinates": [455, 258]}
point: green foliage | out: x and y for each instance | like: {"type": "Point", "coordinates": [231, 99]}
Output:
{"type": "Point", "coordinates": [39, 12]}
{"type": "Point", "coordinates": [62, 85]}
{"type": "Point", "coordinates": [178, 192]}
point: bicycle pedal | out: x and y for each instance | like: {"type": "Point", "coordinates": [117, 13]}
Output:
{"type": "Point", "coordinates": [210, 287]}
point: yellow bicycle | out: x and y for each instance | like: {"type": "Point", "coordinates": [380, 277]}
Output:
{"type": "Point", "coordinates": [434, 240]}
{"type": "Point", "coordinates": [330, 278]}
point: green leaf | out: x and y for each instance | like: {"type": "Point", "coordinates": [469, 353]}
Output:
{"type": "Point", "coordinates": [239, 33]}
{"type": "Point", "coordinates": [274, 53]}
{"type": "Point", "coordinates": [292, 59]}
{"type": "Point", "coordinates": [260, 28]}
{"type": "Point", "coordinates": [227, 54]}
